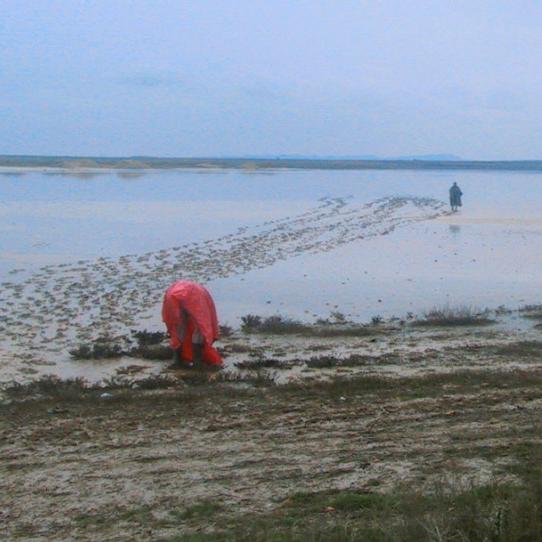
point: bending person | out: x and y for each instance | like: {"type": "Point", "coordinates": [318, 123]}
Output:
{"type": "Point", "coordinates": [189, 313]}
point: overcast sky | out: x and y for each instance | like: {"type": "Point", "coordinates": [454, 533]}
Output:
{"type": "Point", "coordinates": [217, 77]}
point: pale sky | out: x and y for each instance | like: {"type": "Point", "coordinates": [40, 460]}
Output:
{"type": "Point", "coordinates": [251, 77]}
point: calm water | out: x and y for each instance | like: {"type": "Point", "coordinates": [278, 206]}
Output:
{"type": "Point", "coordinates": [489, 254]}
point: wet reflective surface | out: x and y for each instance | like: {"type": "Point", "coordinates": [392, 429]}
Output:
{"type": "Point", "coordinates": [81, 257]}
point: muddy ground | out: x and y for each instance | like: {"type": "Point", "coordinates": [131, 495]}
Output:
{"type": "Point", "coordinates": [167, 464]}
{"type": "Point", "coordinates": [47, 312]}
{"type": "Point", "coordinates": [159, 454]}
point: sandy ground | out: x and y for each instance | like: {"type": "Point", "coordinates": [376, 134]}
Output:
{"type": "Point", "coordinates": [126, 466]}
{"type": "Point", "coordinates": [400, 406]}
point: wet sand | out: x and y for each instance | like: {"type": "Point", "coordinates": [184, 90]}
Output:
{"type": "Point", "coordinates": [274, 250]}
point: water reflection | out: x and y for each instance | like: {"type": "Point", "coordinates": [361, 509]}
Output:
{"type": "Point", "coordinates": [455, 230]}
{"type": "Point", "coordinates": [55, 215]}
{"type": "Point", "coordinates": [130, 174]}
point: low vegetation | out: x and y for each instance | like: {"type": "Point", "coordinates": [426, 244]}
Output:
{"type": "Point", "coordinates": [265, 363]}
{"type": "Point", "coordinates": [521, 350]}
{"type": "Point", "coordinates": [225, 330]}
{"type": "Point", "coordinates": [533, 312]}
{"type": "Point", "coordinates": [76, 389]}
{"type": "Point", "coordinates": [454, 316]}
{"type": "Point", "coordinates": [354, 360]}
{"type": "Point", "coordinates": [226, 384]}
{"type": "Point", "coordinates": [49, 386]}
{"type": "Point", "coordinates": [147, 338]}
{"type": "Point", "coordinates": [349, 330]}
{"type": "Point", "coordinates": [283, 325]}
{"type": "Point", "coordinates": [252, 323]}
{"type": "Point", "coordinates": [495, 512]}
{"type": "Point", "coordinates": [101, 348]}
{"type": "Point", "coordinates": [149, 345]}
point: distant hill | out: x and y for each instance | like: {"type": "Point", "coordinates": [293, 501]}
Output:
{"type": "Point", "coordinates": [429, 157]}
{"type": "Point", "coordinates": [305, 157]}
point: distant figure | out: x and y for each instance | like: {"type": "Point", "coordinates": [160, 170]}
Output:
{"type": "Point", "coordinates": [190, 317]}
{"type": "Point", "coordinates": [455, 197]}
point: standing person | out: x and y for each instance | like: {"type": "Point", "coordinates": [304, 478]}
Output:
{"type": "Point", "coordinates": [455, 197]}
{"type": "Point", "coordinates": [189, 313]}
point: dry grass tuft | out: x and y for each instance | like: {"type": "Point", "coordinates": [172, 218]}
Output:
{"type": "Point", "coordinates": [454, 316]}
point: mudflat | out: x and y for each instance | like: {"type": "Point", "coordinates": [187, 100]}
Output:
{"type": "Point", "coordinates": [343, 409]}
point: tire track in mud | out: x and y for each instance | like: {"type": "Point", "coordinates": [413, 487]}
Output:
{"type": "Point", "coordinates": [60, 305]}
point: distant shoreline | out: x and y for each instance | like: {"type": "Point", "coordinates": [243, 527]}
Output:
{"type": "Point", "coordinates": [67, 164]}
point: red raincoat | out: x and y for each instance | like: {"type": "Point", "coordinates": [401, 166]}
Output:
{"type": "Point", "coordinates": [188, 308]}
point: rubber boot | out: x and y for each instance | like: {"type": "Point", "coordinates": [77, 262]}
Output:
{"type": "Point", "coordinates": [179, 362]}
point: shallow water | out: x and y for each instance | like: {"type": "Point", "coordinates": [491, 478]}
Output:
{"type": "Point", "coordinates": [488, 254]}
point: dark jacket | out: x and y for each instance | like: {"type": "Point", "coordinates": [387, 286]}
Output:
{"type": "Point", "coordinates": [455, 196]}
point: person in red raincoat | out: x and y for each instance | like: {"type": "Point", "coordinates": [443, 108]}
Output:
{"type": "Point", "coordinates": [189, 313]}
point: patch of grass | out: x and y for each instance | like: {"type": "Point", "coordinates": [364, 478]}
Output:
{"type": "Point", "coordinates": [339, 501]}
{"type": "Point", "coordinates": [250, 323]}
{"type": "Point", "coordinates": [533, 312]}
{"type": "Point", "coordinates": [338, 317]}
{"type": "Point", "coordinates": [125, 383]}
{"type": "Point", "coordinates": [264, 363]}
{"type": "Point", "coordinates": [533, 315]}
{"type": "Point", "coordinates": [454, 316]}
{"type": "Point", "coordinates": [521, 349]}
{"type": "Point", "coordinates": [202, 386]}
{"type": "Point", "coordinates": [350, 330]}
{"type": "Point", "coordinates": [493, 513]}
{"type": "Point", "coordinates": [225, 330]}
{"type": "Point", "coordinates": [130, 389]}
{"type": "Point", "coordinates": [282, 325]}
{"type": "Point", "coordinates": [147, 338]}
{"type": "Point", "coordinates": [101, 348]}
{"type": "Point", "coordinates": [141, 515]}
{"type": "Point", "coordinates": [257, 379]}
{"type": "Point", "coordinates": [430, 385]}
{"type": "Point", "coordinates": [152, 351]}
{"type": "Point", "coordinates": [319, 362]}
{"type": "Point", "coordinates": [530, 308]}
{"type": "Point", "coordinates": [150, 346]}
{"type": "Point", "coordinates": [200, 511]}
{"type": "Point", "coordinates": [156, 382]}
{"type": "Point", "coordinates": [335, 317]}
{"type": "Point", "coordinates": [49, 385]}
{"type": "Point", "coordinates": [54, 387]}
{"type": "Point", "coordinates": [275, 325]}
